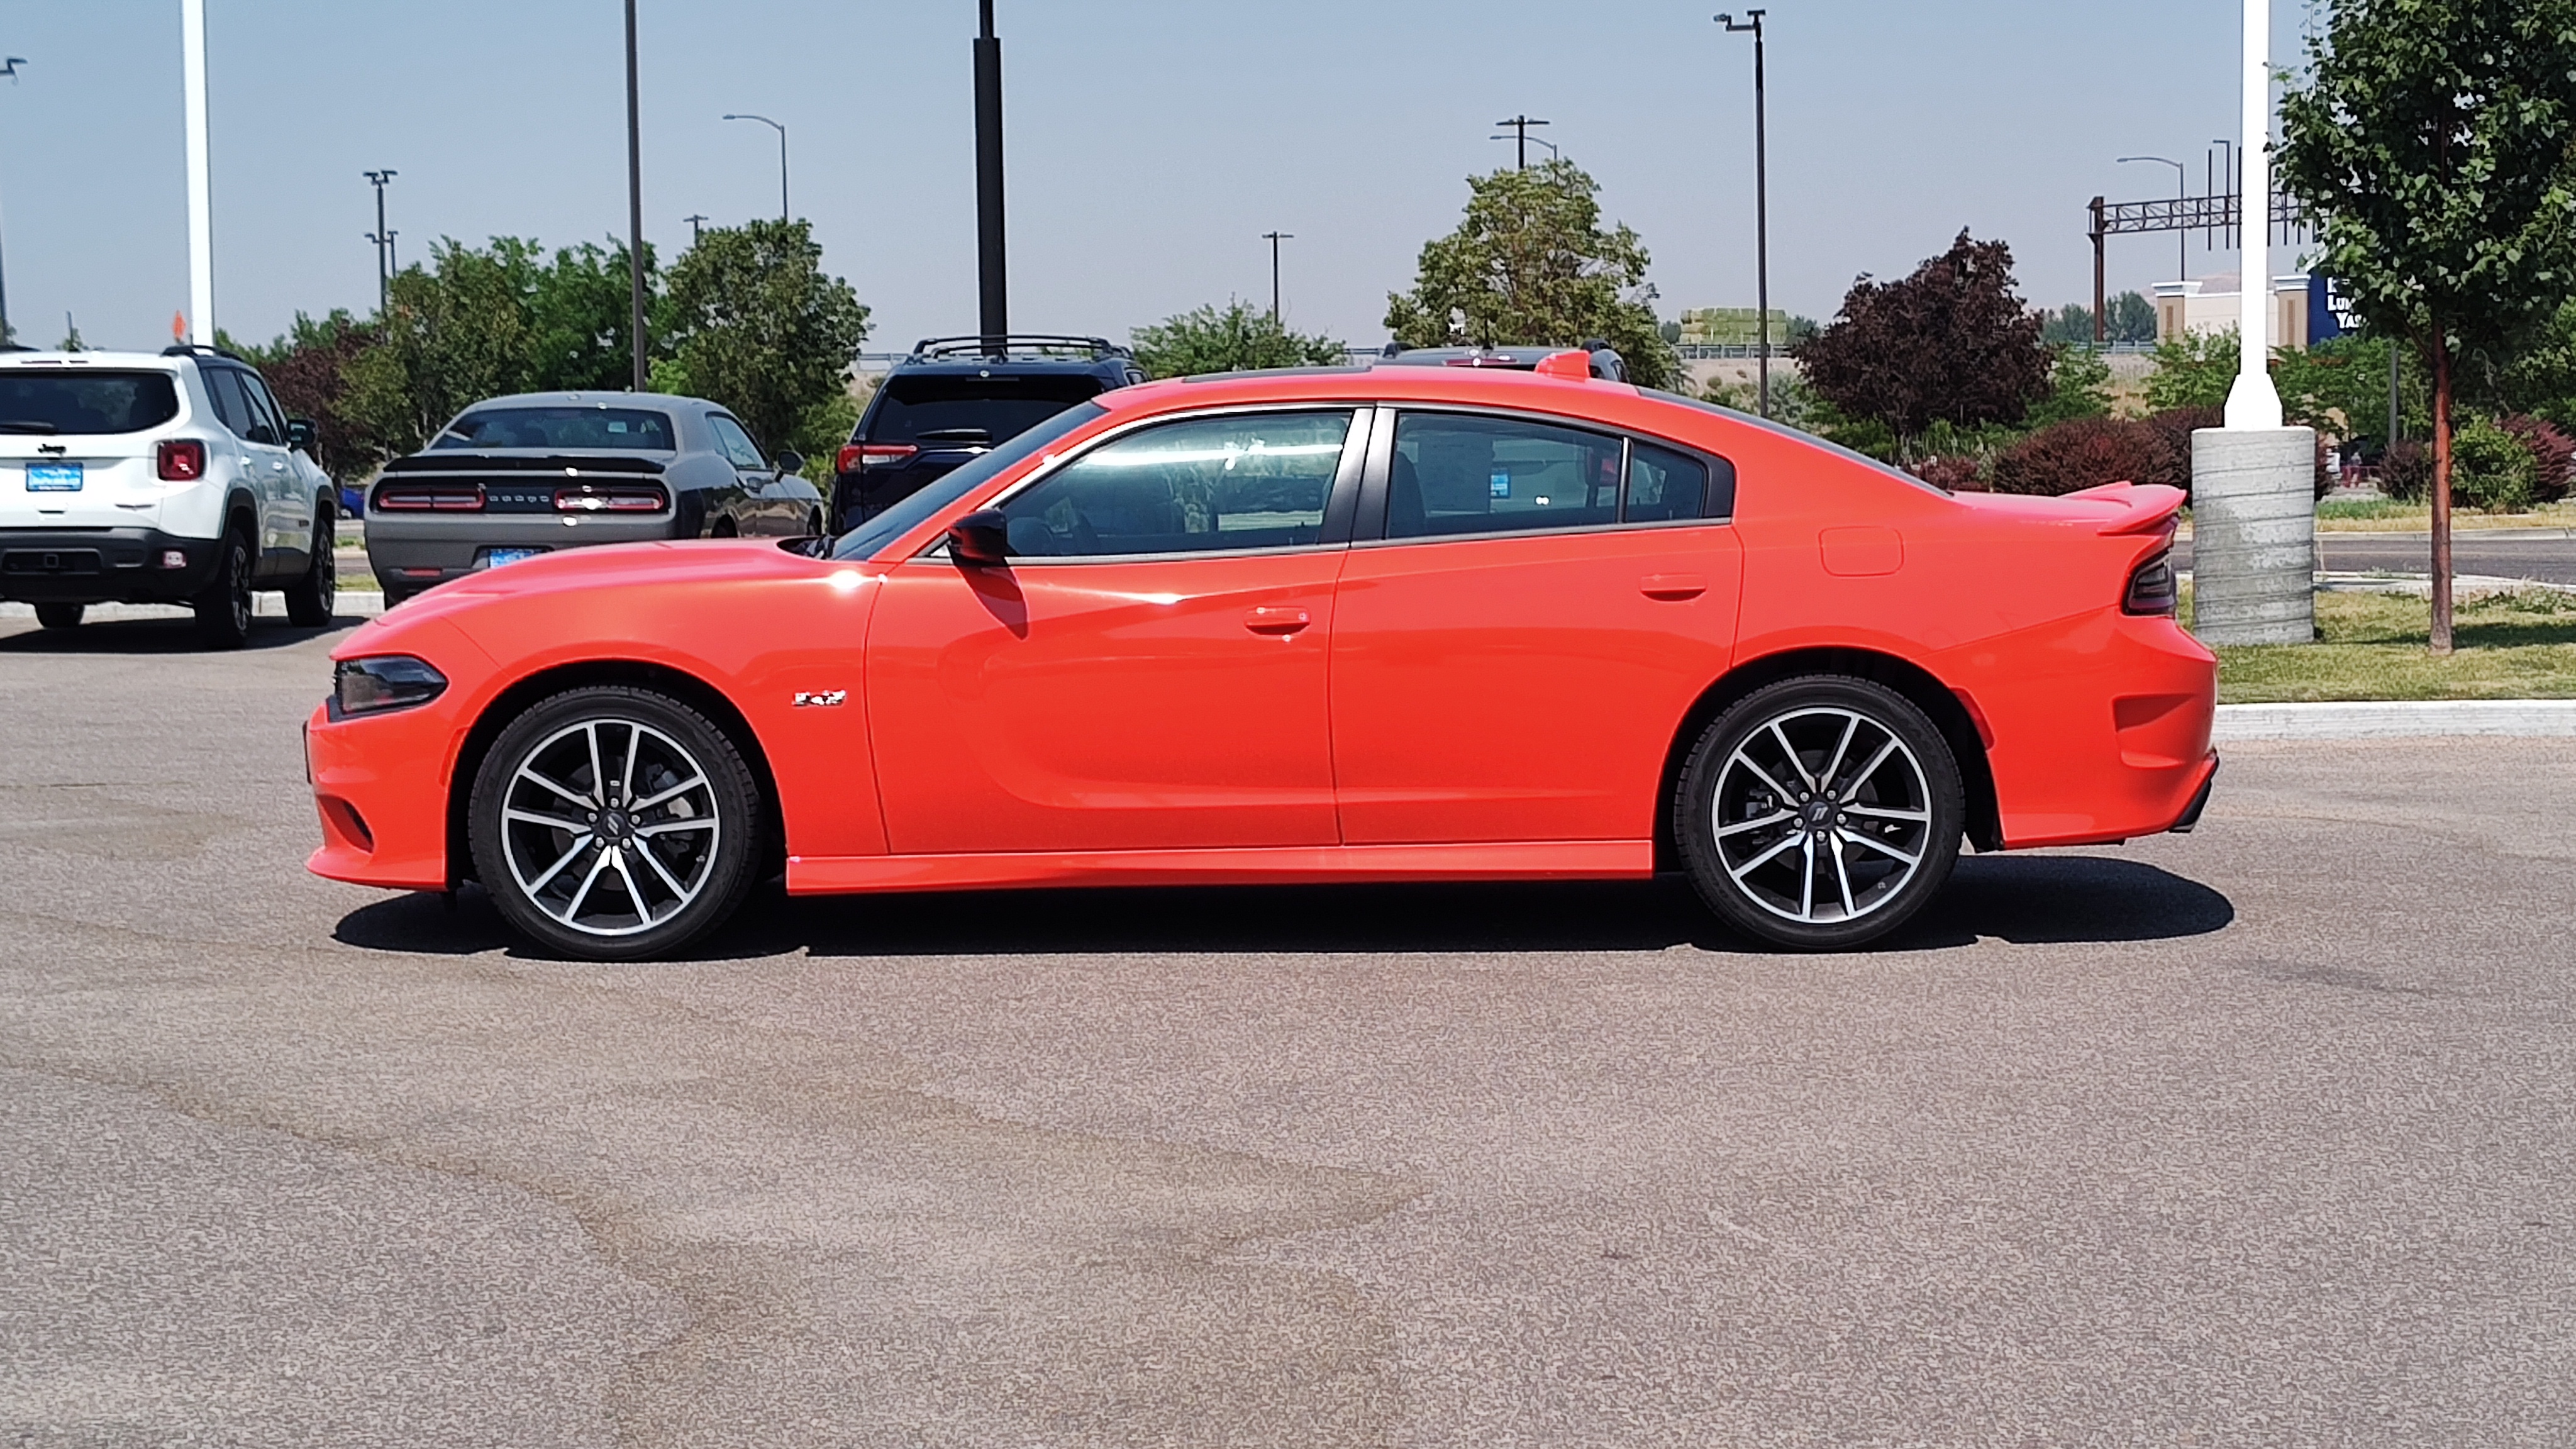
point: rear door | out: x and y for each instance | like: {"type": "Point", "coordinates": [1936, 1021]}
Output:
{"type": "Point", "coordinates": [1512, 657]}
{"type": "Point", "coordinates": [1149, 671]}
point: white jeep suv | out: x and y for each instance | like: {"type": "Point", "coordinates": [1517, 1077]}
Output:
{"type": "Point", "coordinates": [172, 478]}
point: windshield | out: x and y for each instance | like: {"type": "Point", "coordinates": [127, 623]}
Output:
{"type": "Point", "coordinates": [1810, 439]}
{"type": "Point", "coordinates": [85, 402]}
{"type": "Point", "coordinates": [971, 411]}
{"type": "Point", "coordinates": [617, 429]}
{"type": "Point", "coordinates": [904, 516]}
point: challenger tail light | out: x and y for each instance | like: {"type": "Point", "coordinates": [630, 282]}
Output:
{"type": "Point", "coordinates": [430, 497]}
{"type": "Point", "coordinates": [611, 498]}
{"type": "Point", "coordinates": [2152, 589]}
{"type": "Point", "coordinates": [181, 460]}
{"type": "Point", "coordinates": [856, 456]}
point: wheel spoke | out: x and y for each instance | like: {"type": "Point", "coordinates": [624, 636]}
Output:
{"type": "Point", "coordinates": [1765, 858]}
{"type": "Point", "coordinates": [1881, 847]}
{"type": "Point", "coordinates": [690, 783]}
{"type": "Point", "coordinates": [1842, 877]}
{"type": "Point", "coordinates": [1791, 751]}
{"type": "Point", "coordinates": [1744, 825]}
{"type": "Point", "coordinates": [598, 778]}
{"type": "Point", "coordinates": [1861, 776]}
{"type": "Point", "coordinates": [643, 912]}
{"type": "Point", "coordinates": [556, 869]}
{"type": "Point", "coordinates": [667, 827]}
{"type": "Point", "coordinates": [626, 776]}
{"type": "Point", "coordinates": [668, 879]}
{"type": "Point", "coordinates": [572, 908]}
{"type": "Point", "coordinates": [1883, 812]}
{"type": "Point", "coordinates": [529, 772]}
{"type": "Point", "coordinates": [1807, 883]}
{"type": "Point", "coordinates": [1782, 791]}
{"type": "Point", "coordinates": [530, 817]}
{"type": "Point", "coordinates": [1825, 781]}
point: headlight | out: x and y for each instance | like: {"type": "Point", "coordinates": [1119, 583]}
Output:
{"type": "Point", "coordinates": [392, 681]}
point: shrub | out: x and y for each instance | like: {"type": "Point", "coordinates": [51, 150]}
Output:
{"type": "Point", "coordinates": [2087, 452]}
{"type": "Point", "coordinates": [2551, 462]}
{"type": "Point", "coordinates": [2406, 472]}
{"type": "Point", "coordinates": [2490, 468]}
{"type": "Point", "coordinates": [1957, 474]}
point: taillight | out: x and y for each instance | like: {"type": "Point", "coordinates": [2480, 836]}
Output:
{"type": "Point", "coordinates": [182, 460]}
{"type": "Point", "coordinates": [429, 497]}
{"type": "Point", "coordinates": [611, 498]}
{"type": "Point", "coordinates": [856, 456]}
{"type": "Point", "coordinates": [2152, 588]}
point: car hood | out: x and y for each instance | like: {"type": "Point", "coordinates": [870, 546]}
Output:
{"type": "Point", "coordinates": [692, 563]}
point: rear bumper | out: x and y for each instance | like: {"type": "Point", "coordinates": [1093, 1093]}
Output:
{"type": "Point", "coordinates": [101, 565]}
{"type": "Point", "coordinates": [410, 552]}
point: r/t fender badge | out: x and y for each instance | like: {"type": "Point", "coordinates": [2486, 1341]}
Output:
{"type": "Point", "coordinates": [825, 698]}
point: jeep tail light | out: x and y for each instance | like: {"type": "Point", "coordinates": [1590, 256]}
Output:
{"type": "Point", "coordinates": [2152, 588]}
{"type": "Point", "coordinates": [612, 498]}
{"type": "Point", "coordinates": [181, 460]}
{"type": "Point", "coordinates": [856, 456]}
{"type": "Point", "coordinates": [429, 497]}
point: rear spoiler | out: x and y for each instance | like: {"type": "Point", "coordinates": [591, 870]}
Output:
{"type": "Point", "coordinates": [2144, 508]}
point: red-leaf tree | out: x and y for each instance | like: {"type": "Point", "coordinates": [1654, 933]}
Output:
{"type": "Point", "coordinates": [1953, 342]}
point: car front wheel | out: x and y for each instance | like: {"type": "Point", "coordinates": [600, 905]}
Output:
{"type": "Point", "coordinates": [59, 615]}
{"type": "Point", "coordinates": [312, 597]}
{"type": "Point", "coordinates": [613, 823]}
{"type": "Point", "coordinates": [1820, 813]}
{"type": "Point", "coordinates": [223, 606]}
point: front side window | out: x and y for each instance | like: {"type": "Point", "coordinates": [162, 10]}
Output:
{"type": "Point", "coordinates": [1252, 480]}
{"type": "Point", "coordinates": [571, 426]}
{"type": "Point", "coordinates": [733, 442]}
{"type": "Point", "coordinates": [84, 402]}
{"type": "Point", "coordinates": [1454, 474]}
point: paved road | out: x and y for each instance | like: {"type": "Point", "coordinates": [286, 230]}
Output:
{"type": "Point", "coordinates": [2549, 560]}
{"type": "Point", "coordinates": [2264, 1135]}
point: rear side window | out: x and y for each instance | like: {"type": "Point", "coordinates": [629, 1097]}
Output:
{"type": "Point", "coordinates": [615, 429]}
{"type": "Point", "coordinates": [1663, 484]}
{"type": "Point", "coordinates": [733, 442]}
{"type": "Point", "coordinates": [1456, 474]}
{"type": "Point", "coordinates": [85, 402]}
{"type": "Point", "coordinates": [971, 411]}
{"type": "Point", "coordinates": [230, 405]}
{"type": "Point", "coordinates": [1207, 485]}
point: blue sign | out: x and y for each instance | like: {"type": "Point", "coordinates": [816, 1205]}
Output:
{"type": "Point", "coordinates": [2329, 316]}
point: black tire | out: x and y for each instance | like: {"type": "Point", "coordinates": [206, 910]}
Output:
{"type": "Point", "coordinates": [315, 593]}
{"type": "Point", "coordinates": [223, 605]}
{"type": "Point", "coordinates": [58, 615]}
{"type": "Point", "coordinates": [1820, 864]}
{"type": "Point", "coordinates": [621, 884]}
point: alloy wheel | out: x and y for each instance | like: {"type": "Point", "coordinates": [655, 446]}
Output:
{"type": "Point", "coordinates": [1822, 815]}
{"type": "Point", "coordinates": [610, 827]}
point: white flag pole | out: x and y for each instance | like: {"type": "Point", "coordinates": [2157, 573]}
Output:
{"type": "Point", "coordinates": [201, 211]}
{"type": "Point", "coordinates": [2253, 402]}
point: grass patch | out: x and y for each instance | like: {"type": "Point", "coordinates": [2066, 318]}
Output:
{"type": "Point", "coordinates": [2372, 646]}
{"type": "Point", "coordinates": [2387, 515]}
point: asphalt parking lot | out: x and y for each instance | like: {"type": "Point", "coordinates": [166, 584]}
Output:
{"type": "Point", "coordinates": [2264, 1135]}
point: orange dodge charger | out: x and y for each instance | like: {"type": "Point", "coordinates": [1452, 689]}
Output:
{"type": "Point", "coordinates": [1383, 623]}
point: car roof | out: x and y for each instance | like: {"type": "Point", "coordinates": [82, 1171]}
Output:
{"type": "Point", "coordinates": [1488, 386]}
{"type": "Point", "coordinates": [599, 399]}
{"type": "Point", "coordinates": [152, 361]}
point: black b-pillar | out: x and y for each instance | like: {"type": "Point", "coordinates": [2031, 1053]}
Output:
{"type": "Point", "coordinates": [988, 185]}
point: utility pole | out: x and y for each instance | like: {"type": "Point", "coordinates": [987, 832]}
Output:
{"type": "Point", "coordinates": [201, 201]}
{"type": "Point", "coordinates": [782, 153]}
{"type": "Point", "coordinates": [634, 210]}
{"type": "Point", "coordinates": [1519, 126]}
{"type": "Point", "coordinates": [383, 239]}
{"type": "Point", "coordinates": [9, 68]}
{"type": "Point", "coordinates": [1761, 203]}
{"type": "Point", "coordinates": [1275, 238]}
{"type": "Point", "coordinates": [694, 222]}
{"type": "Point", "coordinates": [992, 278]}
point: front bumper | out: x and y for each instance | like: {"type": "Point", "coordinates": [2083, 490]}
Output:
{"type": "Point", "coordinates": [101, 565]}
{"type": "Point", "coordinates": [380, 784]}
{"type": "Point", "coordinates": [410, 552]}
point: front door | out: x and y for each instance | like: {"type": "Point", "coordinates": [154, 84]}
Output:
{"type": "Point", "coordinates": [763, 510]}
{"type": "Point", "coordinates": [1511, 661]}
{"type": "Point", "coordinates": [1148, 672]}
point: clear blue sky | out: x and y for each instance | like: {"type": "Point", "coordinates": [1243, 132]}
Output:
{"type": "Point", "coordinates": [1151, 142]}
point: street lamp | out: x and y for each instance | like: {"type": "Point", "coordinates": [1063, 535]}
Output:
{"type": "Point", "coordinates": [1527, 140]}
{"type": "Point", "coordinates": [1761, 205]}
{"type": "Point", "coordinates": [1520, 128]}
{"type": "Point", "coordinates": [2182, 264]}
{"type": "Point", "coordinates": [782, 156]}
{"type": "Point", "coordinates": [8, 68]}
{"type": "Point", "coordinates": [1275, 238]}
{"type": "Point", "coordinates": [383, 238]}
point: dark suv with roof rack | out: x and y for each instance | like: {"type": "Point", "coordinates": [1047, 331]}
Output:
{"type": "Point", "coordinates": [953, 398]}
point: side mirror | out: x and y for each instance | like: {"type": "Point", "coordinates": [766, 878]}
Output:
{"type": "Point", "coordinates": [790, 461]}
{"type": "Point", "coordinates": [300, 433]}
{"type": "Point", "coordinates": [981, 539]}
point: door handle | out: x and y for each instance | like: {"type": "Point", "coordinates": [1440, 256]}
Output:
{"type": "Point", "coordinates": [1673, 586]}
{"type": "Point", "coordinates": [1275, 621]}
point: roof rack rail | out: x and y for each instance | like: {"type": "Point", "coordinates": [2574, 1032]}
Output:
{"type": "Point", "coordinates": [199, 349]}
{"type": "Point", "coordinates": [978, 346]}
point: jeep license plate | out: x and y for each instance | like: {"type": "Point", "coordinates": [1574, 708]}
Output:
{"type": "Point", "coordinates": [53, 477]}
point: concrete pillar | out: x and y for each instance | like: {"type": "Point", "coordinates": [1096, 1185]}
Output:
{"type": "Point", "coordinates": [2254, 535]}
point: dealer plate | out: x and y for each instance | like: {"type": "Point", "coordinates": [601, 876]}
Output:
{"type": "Point", "coordinates": [53, 477]}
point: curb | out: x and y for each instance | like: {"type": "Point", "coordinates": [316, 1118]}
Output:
{"type": "Point", "coordinates": [350, 605]}
{"type": "Point", "coordinates": [2387, 720]}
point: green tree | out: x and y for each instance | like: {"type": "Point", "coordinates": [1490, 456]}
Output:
{"type": "Point", "coordinates": [2193, 371]}
{"type": "Point", "coordinates": [2079, 386]}
{"type": "Point", "coordinates": [453, 332]}
{"type": "Point", "coordinates": [1530, 265]}
{"type": "Point", "coordinates": [2435, 142]}
{"type": "Point", "coordinates": [757, 324]}
{"type": "Point", "coordinates": [308, 370]}
{"type": "Point", "coordinates": [1951, 343]}
{"type": "Point", "coordinates": [1235, 339]}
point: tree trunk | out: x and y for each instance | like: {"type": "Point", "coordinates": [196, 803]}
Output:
{"type": "Point", "coordinates": [2441, 489]}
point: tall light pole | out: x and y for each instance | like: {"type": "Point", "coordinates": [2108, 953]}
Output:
{"type": "Point", "coordinates": [643, 377]}
{"type": "Point", "coordinates": [1275, 238]}
{"type": "Point", "coordinates": [1527, 140]}
{"type": "Point", "coordinates": [201, 201]}
{"type": "Point", "coordinates": [2226, 173]}
{"type": "Point", "coordinates": [993, 286]}
{"type": "Point", "coordinates": [8, 335]}
{"type": "Point", "coordinates": [1761, 204]}
{"type": "Point", "coordinates": [383, 238]}
{"type": "Point", "coordinates": [2182, 267]}
{"type": "Point", "coordinates": [695, 220]}
{"type": "Point", "coordinates": [782, 154]}
{"type": "Point", "coordinates": [1519, 126]}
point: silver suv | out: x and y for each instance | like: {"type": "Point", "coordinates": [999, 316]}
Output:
{"type": "Point", "coordinates": [129, 477]}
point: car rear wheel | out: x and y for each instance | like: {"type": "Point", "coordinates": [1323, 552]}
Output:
{"type": "Point", "coordinates": [613, 823]}
{"type": "Point", "coordinates": [1820, 813]}
{"type": "Point", "coordinates": [311, 599]}
{"type": "Point", "coordinates": [223, 606]}
{"type": "Point", "coordinates": [60, 615]}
